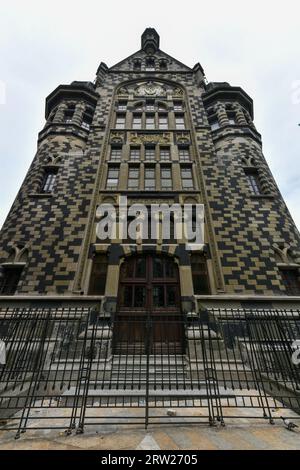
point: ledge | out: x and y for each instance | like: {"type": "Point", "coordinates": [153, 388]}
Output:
{"type": "Point", "coordinates": [236, 130]}
{"type": "Point", "coordinates": [41, 195]}
{"type": "Point", "coordinates": [224, 92]}
{"type": "Point", "coordinates": [52, 297]}
{"type": "Point", "coordinates": [262, 196]}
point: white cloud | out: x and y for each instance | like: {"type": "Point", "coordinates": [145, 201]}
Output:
{"type": "Point", "coordinates": [255, 46]}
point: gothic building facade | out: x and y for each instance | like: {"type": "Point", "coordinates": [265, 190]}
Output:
{"type": "Point", "coordinates": [154, 130]}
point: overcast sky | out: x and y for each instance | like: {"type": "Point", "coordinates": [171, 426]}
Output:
{"type": "Point", "coordinates": [254, 45]}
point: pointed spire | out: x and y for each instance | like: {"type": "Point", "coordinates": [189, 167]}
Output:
{"type": "Point", "coordinates": [150, 41]}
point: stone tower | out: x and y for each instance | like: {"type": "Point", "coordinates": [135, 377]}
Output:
{"type": "Point", "coordinates": [154, 130]}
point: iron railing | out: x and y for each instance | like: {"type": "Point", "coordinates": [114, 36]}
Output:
{"type": "Point", "coordinates": [68, 368]}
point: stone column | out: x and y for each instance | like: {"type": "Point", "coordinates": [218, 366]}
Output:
{"type": "Point", "coordinates": [60, 113]}
{"type": "Point", "coordinates": [222, 115]}
{"type": "Point", "coordinates": [240, 116]}
{"type": "Point", "coordinates": [157, 177]}
{"type": "Point", "coordinates": [123, 176]}
{"type": "Point", "coordinates": [176, 176]}
{"type": "Point", "coordinates": [142, 176]}
{"type": "Point", "coordinates": [78, 113]}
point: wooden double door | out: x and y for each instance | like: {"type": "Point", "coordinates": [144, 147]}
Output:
{"type": "Point", "coordinates": [148, 315]}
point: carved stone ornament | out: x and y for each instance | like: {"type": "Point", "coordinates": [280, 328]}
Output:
{"type": "Point", "coordinates": [136, 138]}
{"type": "Point", "coordinates": [117, 137]}
{"type": "Point", "coordinates": [150, 89]}
{"type": "Point", "coordinates": [123, 91]}
{"type": "Point", "coordinates": [149, 201]}
{"type": "Point", "coordinates": [178, 92]}
{"type": "Point", "coordinates": [183, 138]}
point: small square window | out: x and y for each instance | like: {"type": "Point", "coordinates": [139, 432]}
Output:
{"type": "Point", "coordinates": [133, 178]}
{"type": "Point", "coordinates": [135, 154]}
{"type": "Point", "coordinates": [184, 154]}
{"type": "Point", "coordinates": [116, 154]}
{"type": "Point", "coordinates": [112, 178]}
{"type": "Point", "coordinates": [187, 178]}
{"type": "Point", "coordinates": [137, 121]}
{"type": "Point", "coordinates": [150, 179]}
{"type": "Point", "coordinates": [179, 121]}
{"type": "Point", "coordinates": [150, 121]}
{"type": "Point", "coordinates": [150, 153]}
{"type": "Point", "coordinates": [163, 121]}
{"type": "Point", "coordinates": [120, 121]}
{"type": "Point", "coordinates": [164, 154]}
{"type": "Point", "coordinates": [166, 178]}
{"type": "Point", "coordinates": [150, 106]}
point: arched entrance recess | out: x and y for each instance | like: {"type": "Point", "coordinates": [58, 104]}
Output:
{"type": "Point", "coordinates": [148, 314]}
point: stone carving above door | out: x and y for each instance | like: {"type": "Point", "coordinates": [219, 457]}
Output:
{"type": "Point", "coordinates": [150, 89]}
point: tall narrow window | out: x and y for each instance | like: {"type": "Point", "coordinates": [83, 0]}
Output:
{"type": "Point", "coordinates": [163, 121]}
{"type": "Point", "coordinates": [133, 178]}
{"type": "Point", "coordinates": [150, 153]}
{"type": "Point", "coordinates": [179, 121]}
{"type": "Point", "coordinates": [200, 275]}
{"type": "Point", "coordinates": [231, 118]}
{"type": "Point", "coordinates": [98, 275]}
{"type": "Point", "coordinates": [135, 154]}
{"type": "Point", "coordinates": [49, 180]}
{"type": "Point", "coordinates": [166, 178]}
{"type": "Point", "coordinates": [137, 121]}
{"type": "Point", "coordinates": [150, 179]}
{"type": "Point", "coordinates": [150, 65]}
{"type": "Point", "coordinates": [69, 112]}
{"type": "Point", "coordinates": [163, 64]}
{"type": "Point", "coordinates": [253, 181]}
{"type": "Point", "coordinates": [291, 280]}
{"type": "Point", "coordinates": [164, 154]}
{"type": "Point", "coordinates": [112, 178]}
{"type": "Point", "coordinates": [150, 121]}
{"type": "Point", "coordinates": [87, 119]}
{"type": "Point", "coordinates": [116, 154]}
{"type": "Point", "coordinates": [120, 121]}
{"type": "Point", "coordinates": [184, 154]}
{"type": "Point", "coordinates": [9, 279]}
{"type": "Point", "coordinates": [187, 178]}
{"type": "Point", "coordinates": [137, 64]}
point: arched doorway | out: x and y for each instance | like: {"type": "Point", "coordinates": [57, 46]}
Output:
{"type": "Point", "coordinates": [149, 314]}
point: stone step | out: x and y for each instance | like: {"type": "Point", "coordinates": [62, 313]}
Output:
{"type": "Point", "coordinates": [178, 393]}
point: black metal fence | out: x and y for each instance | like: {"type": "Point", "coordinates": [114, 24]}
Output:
{"type": "Point", "coordinates": [68, 368]}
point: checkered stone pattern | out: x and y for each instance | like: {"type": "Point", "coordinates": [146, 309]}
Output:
{"type": "Point", "coordinates": [56, 228]}
{"type": "Point", "coordinates": [246, 226]}
{"type": "Point", "coordinates": [52, 226]}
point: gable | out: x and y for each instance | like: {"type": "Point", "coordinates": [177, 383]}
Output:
{"type": "Point", "coordinates": [173, 65]}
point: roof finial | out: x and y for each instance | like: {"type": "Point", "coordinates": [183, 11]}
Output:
{"type": "Point", "coordinates": [150, 41]}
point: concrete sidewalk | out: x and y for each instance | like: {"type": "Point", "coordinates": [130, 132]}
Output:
{"type": "Point", "coordinates": [236, 436]}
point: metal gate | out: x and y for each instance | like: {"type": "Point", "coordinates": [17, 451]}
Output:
{"type": "Point", "coordinates": [63, 368]}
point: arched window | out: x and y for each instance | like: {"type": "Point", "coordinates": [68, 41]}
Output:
{"type": "Point", "coordinates": [163, 64]}
{"type": "Point", "coordinates": [137, 64]}
{"type": "Point", "coordinates": [69, 112]}
{"type": "Point", "coordinates": [150, 64]}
